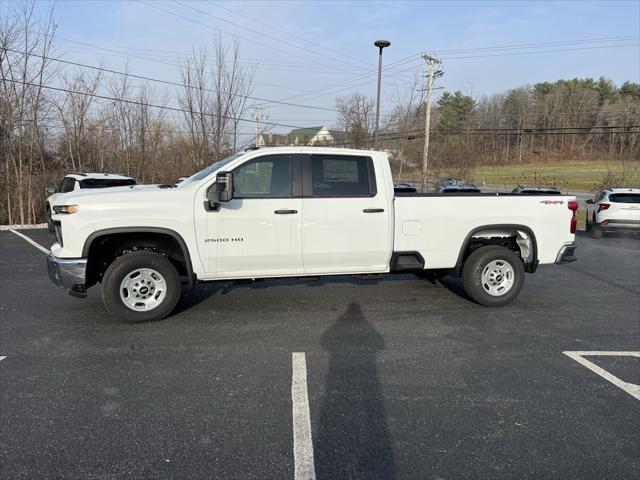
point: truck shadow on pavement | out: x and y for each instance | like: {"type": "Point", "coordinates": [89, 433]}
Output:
{"type": "Point", "coordinates": [352, 439]}
{"type": "Point", "coordinates": [201, 293]}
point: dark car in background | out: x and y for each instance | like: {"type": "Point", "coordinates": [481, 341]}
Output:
{"type": "Point", "coordinates": [536, 190]}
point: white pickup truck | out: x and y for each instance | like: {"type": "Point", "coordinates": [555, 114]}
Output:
{"type": "Point", "coordinates": [295, 212]}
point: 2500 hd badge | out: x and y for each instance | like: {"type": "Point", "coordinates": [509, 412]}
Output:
{"type": "Point", "coordinates": [223, 240]}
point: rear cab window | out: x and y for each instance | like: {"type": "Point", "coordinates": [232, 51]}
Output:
{"type": "Point", "coordinates": [342, 176]}
{"type": "Point", "coordinates": [624, 197]}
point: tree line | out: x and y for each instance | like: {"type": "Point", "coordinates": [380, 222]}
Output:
{"type": "Point", "coordinates": [578, 119]}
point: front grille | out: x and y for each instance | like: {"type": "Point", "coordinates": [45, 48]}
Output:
{"type": "Point", "coordinates": [57, 226]}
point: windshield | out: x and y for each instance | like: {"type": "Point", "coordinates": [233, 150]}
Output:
{"type": "Point", "coordinates": [210, 169]}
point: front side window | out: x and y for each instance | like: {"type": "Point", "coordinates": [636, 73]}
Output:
{"type": "Point", "coordinates": [265, 177]}
{"type": "Point", "coordinates": [67, 185]}
{"type": "Point", "coordinates": [342, 176]}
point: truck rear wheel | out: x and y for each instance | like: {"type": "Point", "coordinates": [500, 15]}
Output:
{"type": "Point", "coordinates": [493, 276]}
{"type": "Point", "coordinates": [141, 286]}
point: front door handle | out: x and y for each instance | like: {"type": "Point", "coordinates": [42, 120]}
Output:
{"type": "Point", "coordinates": [373, 210]}
{"type": "Point", "coordinates": [285, 212]}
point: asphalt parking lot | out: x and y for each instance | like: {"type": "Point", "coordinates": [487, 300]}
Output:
{"type": "Point", "coordinates": [406, 378]}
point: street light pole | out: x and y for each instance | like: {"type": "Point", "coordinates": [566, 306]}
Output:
{"type": "Point", "coordinates": [380, 44]}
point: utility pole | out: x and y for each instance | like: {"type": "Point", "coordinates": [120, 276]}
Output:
{"type": "Point", "coordinates": [431, 74]}
{"type": "Point", "coordinates": [257, 109]}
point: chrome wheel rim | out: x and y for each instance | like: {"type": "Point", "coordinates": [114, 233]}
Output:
{"type": "Point", "coordinates": [143, 289]}
{"type": "Point", "coordinates": [497, 278]}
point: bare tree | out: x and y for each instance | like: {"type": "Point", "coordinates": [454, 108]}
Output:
{"type": "Point", "coordinates": [74, 111]}
{"type": "Point", "coordinates": [356, 117]}
{"type": "Point", "coordinates": [214, 99]}
{"type": "Point", "coordinates": [404, 119]}
{"type": "Point", "coordinates": [25, 41]}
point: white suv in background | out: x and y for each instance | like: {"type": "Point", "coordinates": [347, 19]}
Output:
{"type": "Point", "coordinates": [612, 210]}
{"type": "Point", "coordinates": [77, 181]}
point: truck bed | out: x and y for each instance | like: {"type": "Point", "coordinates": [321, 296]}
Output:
{"type": "Point", "coordinates": [437, 225]}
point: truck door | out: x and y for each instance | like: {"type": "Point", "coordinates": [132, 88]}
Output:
{"type": "Point", "coordinates": [257, 233]}
{"type": "Point", "coordinates": [345, 219]}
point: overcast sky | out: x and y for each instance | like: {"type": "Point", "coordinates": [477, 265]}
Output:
{"type": "Point", "coordinates": [301, 48]}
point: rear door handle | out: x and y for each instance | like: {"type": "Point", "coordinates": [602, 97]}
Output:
{"type": "Point", "coordinates": [373, 210]}
{"type": "Point", "coordinates": [285, 212]}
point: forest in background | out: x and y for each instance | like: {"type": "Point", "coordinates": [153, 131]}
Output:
{"type": "Point", "coordinates": [56, 118]}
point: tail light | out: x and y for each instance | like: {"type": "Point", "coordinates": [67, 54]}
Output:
{"type": "Point", "coordinates": [573, 206]}
{"type": "Point", "coordinates": [603, 206]}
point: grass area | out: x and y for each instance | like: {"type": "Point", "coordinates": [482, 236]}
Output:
{"type": "Point", "coordinates": [581, 176]}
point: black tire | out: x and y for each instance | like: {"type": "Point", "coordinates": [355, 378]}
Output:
{"type": "Point", "coordinates": [49, 221]}
{"type": "Point", "coordinates": [125, 265]}
{"type": "Point", "coordinates": [474, 267]}
{"type": "Point", "coordinates": [596, 232]}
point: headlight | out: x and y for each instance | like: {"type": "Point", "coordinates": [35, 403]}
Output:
{"type": "Point", "coordinates": [65, 209]}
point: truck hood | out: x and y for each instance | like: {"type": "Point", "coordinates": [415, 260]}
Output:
{"type": "Point", "coordinates": [115, 195]}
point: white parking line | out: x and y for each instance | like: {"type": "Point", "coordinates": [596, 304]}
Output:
{"type": "Point", "coordinates": [302, 440]}
{"type": "Point", "coordinates": [2, 357]}
{"type": "Point", "coordinates": [631, 388]}
{"type": "Point", "coordinates": [35, 244]}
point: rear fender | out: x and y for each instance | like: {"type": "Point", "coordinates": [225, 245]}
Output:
{"type": "Point", "coordinates": [524, 238]}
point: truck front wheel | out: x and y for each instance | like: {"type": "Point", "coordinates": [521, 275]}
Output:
{"type": "Point", "coordinates": [493, 276]}
{"type": "Point", "coordinates": [141, 286]}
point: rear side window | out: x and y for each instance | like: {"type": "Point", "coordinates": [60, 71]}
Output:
{"type": "Point", "coordinates": [342, 176]}
{"type": "Point", "coordinates": [625, 197]}
{"type": "Point", "coordinates": [106, 182]}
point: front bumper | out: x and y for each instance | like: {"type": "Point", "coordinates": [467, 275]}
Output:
{"type": "Point", "coordinates": [567, 253]}
{"type": "Point", "coordinates": [68, 273]}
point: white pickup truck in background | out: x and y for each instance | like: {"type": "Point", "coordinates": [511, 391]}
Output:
{"type": "Point", "coordinates": [293, 212]}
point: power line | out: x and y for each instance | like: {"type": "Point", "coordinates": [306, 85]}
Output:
{"type": "Point", "coordinates": [117, 53]}
{"type": "Point", "coordinates": [536, 52]}
{"type": "Point", "coordinates": [234, 35]}
{"type": "Point", "coordinates": [169, 82]}
{"type": "Point", "coordinates": [411, 58]}
{"type": "Point", "coordinates": [283, 31]}
{"type": "Point", "coordinates": [262, 33]}
{"type": "Point", "coordinates": [145, 104]}
{"type": "Point", "coordinates": [543, 44]}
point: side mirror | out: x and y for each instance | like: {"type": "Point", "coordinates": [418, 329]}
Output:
{"type": "Point", "coordinates": [221, 191]}
{"type": "Point", "coordinates": [224, 186]}
{"type": "Point", "coordinates": [51, 190]}
{"type": "Point", "coordinates": [590, 201]}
